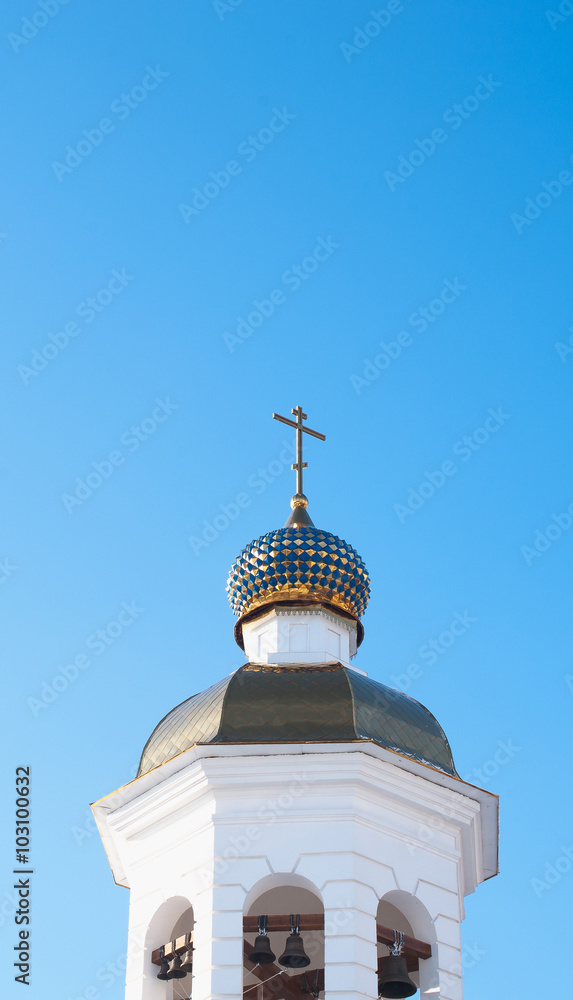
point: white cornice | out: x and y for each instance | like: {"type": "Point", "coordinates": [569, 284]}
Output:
{"type": "Point", "coordinates": [350, 626]}
{"type": "Point", "coordinates": [205, 774]}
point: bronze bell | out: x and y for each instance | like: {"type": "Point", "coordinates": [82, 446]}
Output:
{"type": "Point", "coordinates": [294, 955]}
{"type": "Point", "coordinates": [187, 962]}
{"type": "Point", "coordinates": [164, 970]}
{"type": "Point", "coordinates": [262, 953]}
{"type": "Point", "coordinates": [175, 968]}
{"type": "Point", "coordinates": [395, 983]}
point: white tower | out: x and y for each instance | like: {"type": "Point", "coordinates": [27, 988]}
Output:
{"type": "Point", "coordinates": [297, 785]}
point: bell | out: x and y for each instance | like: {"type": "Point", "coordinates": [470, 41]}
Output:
{"type": "Point", "coordinates": [187, 962]}
{"type": "Point", "coordinates": [262, 953]}
{"type": "Point", "coordinates": [294, 955]}
{"type": "Point", "coordinates": [164, 970]}
{"type": "Point", "coordinates": [395, 981]}
{"type": "Point", "coordinates": [175, 968]}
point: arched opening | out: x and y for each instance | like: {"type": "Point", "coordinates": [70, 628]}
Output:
{"type": "Point", "coordinates": [169, 951]}
{"type": "Point", "coordinates": [400, 911]}
{"type": "Point", "coordinates": [276, 898]}
{"type": "Point", "coordinates": [182, 934]}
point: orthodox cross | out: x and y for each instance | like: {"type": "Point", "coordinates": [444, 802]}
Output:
{"type": "Point", "coordinates": [299, 465]}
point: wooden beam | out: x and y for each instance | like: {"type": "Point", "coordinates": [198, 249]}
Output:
{"type": "Point", "coordinates": [281, 922]}
{"type": "Point", "coordinates": [315, 922]}
{"type": "Point", "coordinates": [178, 946]}
{"type": "Point", "coordinates": [412, 946]}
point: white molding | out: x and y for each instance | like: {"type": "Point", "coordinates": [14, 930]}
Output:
{"type": "Point", "coordinates": [201, 776]}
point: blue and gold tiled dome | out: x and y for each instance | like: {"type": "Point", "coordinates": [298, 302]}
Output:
{"type": "Point", "coordinates": [299, 563]}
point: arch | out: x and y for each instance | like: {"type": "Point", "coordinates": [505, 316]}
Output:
{"type": "Point", "coordinates": [404, 912]}
{"type": "Point", "coordinates": [169, 920]}
{"type": "Point", "coordinates": [281, 894]}
{"type": "Point", "coordinates": [276, 880]}
{"type": "Point", "coordinates": [185, 923]}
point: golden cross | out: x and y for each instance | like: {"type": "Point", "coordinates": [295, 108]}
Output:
{"type": "Point", "coordinates": [299, 465]}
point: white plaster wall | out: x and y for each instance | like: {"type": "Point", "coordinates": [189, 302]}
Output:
{"type": "Point", "coordinates": [216, 823]}
{"type": "Point", "coordinates": [300, 632]}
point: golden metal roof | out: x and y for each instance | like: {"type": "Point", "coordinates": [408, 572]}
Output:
{"type": "Point", "coordinates": [307, 704]}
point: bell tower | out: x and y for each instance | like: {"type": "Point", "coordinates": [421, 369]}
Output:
{"type": "Point", "coordinates": [297, 829]}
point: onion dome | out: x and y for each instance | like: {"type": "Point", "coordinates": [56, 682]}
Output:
{"type": "Point", "coordinates": [263, 703]}
{"type": "Point", "coordinates": [311, 697]}
{"type": "Point", "coordinates": [298, 563]}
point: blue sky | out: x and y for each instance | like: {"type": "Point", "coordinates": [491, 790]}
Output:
{"type": "Point", "coordinates": [391, 208]}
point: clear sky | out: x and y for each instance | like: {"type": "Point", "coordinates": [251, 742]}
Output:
{"type": "Point", "coordinates": [172, 172]}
